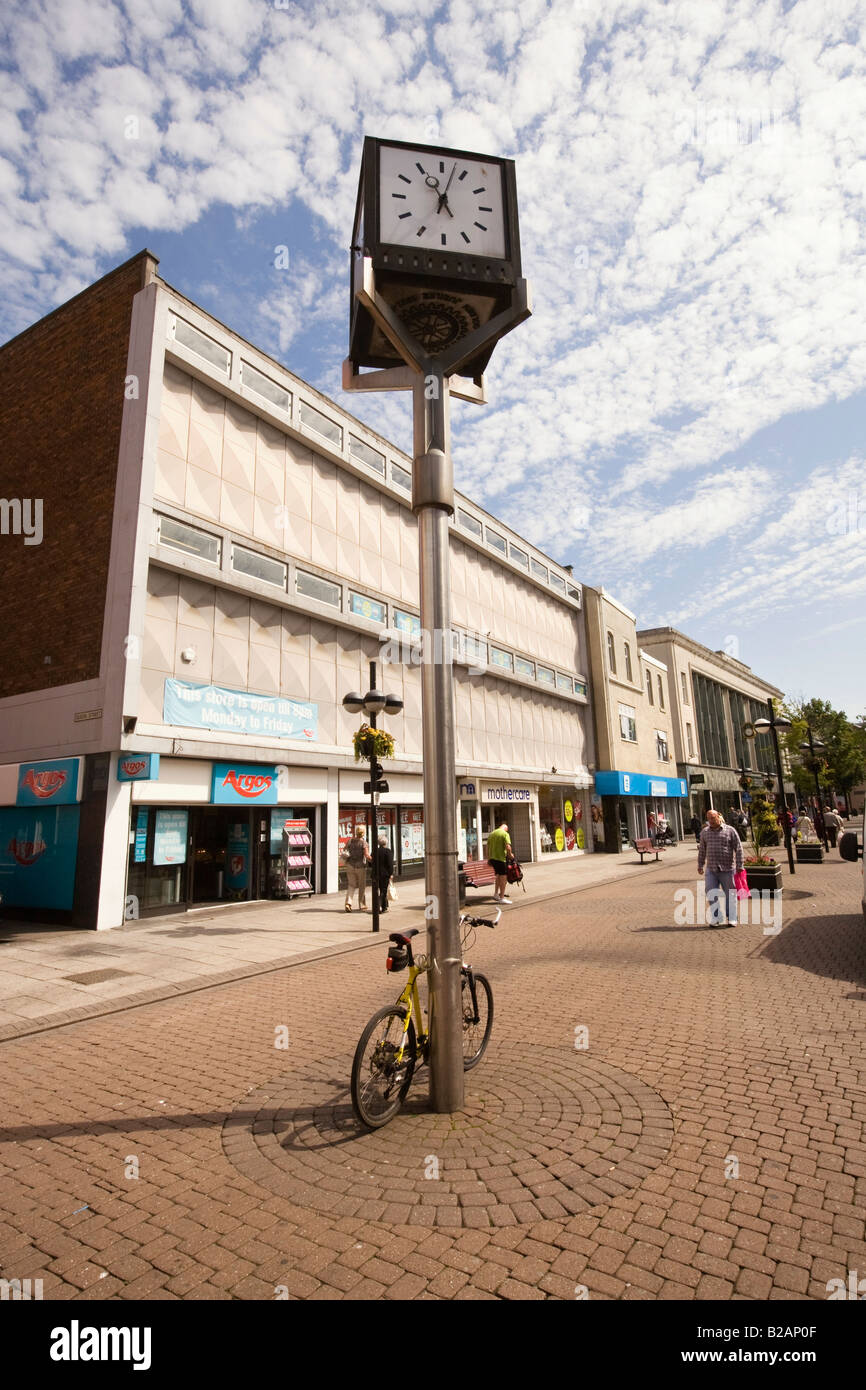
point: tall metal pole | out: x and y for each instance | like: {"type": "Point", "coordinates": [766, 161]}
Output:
{"type": "Point", "coordinates": [786, 828]}
{"type": "Point", "coordinates": [433, 504]}
{"type": "Point", "coordinates": [820, 824]}
{"type": "Point", "coordinates": [373, 816]}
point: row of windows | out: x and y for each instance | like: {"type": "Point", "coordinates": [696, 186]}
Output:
{"type": "Point", "coordinates": [611, 660]}
{"type": "Point", "coordinates": [266, 570]}
{"type": "Point", "coordinates": [517, 556]}
{"type": "Point", "coordinates": [268, 390]}
{"type": "Point", "coordinates": [628, 730]}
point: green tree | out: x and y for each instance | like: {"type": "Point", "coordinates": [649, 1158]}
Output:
{"type": "Point", "coordinates": [841, 763]}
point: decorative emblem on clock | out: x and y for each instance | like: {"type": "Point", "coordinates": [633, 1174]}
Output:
{"type": "Point", "coordinates": [436, 319]}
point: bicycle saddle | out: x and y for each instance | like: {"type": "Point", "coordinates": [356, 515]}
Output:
{"type": "Point", "coordinates": [403, 937]}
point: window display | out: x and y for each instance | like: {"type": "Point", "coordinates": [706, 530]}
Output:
{"type": "Point", "coordinates": [560, 812]}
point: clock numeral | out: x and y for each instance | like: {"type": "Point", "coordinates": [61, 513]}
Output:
{"type": "Point", "coordinates": [404, 178]}
{"type": "Point", "coordinates": [479, 190]}
{"type": "Point", "coordinates": [480, 208]}
{"type": "Point", "coordinates": [403, 196]}
{"type": "Point", "coordinates": [444, 239]}
{"type": "Point", "coordinates": [401, 215]}
{"type": "Point", "coordinates": [463, 175]}
{"type": "Point", "coordinates": [419, 167]}
{"type": "Point", "coordinates": [465, 237]}
{"type": "Point", "coordinates": [481, 225]}
{"type": "Point", "coordinates": [441, 166]}
{"type": "Point", "coordinates": [421, 231]}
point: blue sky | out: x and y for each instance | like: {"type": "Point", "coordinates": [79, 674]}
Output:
{"type": "Point", "coordinates": [682, 418]}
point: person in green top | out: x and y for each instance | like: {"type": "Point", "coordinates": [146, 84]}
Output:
{"type": "Point", "coordinates": [499, 852]}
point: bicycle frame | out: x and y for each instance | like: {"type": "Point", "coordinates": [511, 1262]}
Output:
{"type": "Point", "coordinates": [410, 1001]}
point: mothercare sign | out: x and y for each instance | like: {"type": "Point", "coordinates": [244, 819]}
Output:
{"type": "Point", "coordinates": [215, 707]}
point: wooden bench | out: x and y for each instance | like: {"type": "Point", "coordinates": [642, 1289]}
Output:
{"type": "Point", "coordinates": [478, 873]}
{"type": "Point", "coordinates": [647, 847]}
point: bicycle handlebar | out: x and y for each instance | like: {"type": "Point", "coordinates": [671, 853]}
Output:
{"type": "Point", "coordinates": [482, 921]}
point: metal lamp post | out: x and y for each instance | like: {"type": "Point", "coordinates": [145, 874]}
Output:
{"type": "Point", "coordinates": [810, 747]}
{"type": "Point", "coordinates": [774, 724]}
{"type": "Point", "coordinates": [374, 703]}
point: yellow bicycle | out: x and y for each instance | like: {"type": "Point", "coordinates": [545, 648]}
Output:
{"type": "Point", "coordinates": [395, 1037]}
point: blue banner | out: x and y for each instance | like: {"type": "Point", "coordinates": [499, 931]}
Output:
{"type": "Point", "coordinates": [238, 784]}
{"type": "Point", "coordinates": [55, 782]}
{"type": "Point", "coordinates": [169, 837]}
{"type": "Point", "coordinates": [239, 712]}
{"type": "Point", "coordinates": [138, 767]}
{"type": "Point", "coordinates": [38, 854]}
{"type": "Point", "coordinates": [639, 784]}
{"type": "Point", "coordinates": [237, 875]}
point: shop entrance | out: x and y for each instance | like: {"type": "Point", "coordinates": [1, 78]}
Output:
{"type": "Point", "coordinates": [517, 820]}
{"type": "Point", "coordinates": [223, 849]}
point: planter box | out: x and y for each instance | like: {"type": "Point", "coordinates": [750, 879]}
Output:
{"type": "Point", "coordinates": [765, 878]}
{"type": "Point", "coordinates": [810, 854]}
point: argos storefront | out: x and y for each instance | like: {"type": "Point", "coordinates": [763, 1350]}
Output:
{"type": "Point", "coordinates": [208, 833]}
{"type": "Point", "coordinates": [39, 825]}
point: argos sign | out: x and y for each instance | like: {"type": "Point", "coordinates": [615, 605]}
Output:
{"type": "Point", "coordinates": [240, 784]}
{"type": "Point", "coordinates": [54, 783]}
{"type": "Point", "coordinates": [138, 767]}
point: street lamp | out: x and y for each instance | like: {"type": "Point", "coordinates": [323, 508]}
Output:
{"type": "Point", "coordinates": [374, 703]}
{"type": "Point", "coordinates": [810, 747]}
{"type": "Point", "coordinates": [774, 724]}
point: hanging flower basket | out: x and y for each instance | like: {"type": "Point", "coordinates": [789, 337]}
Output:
{"type": "Point", "coordinates": [372, 743]}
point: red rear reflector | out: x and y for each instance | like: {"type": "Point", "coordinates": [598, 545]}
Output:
{"type": "Point", "coordinates": [388, 963]}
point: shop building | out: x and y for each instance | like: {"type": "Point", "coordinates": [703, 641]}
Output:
{"type": "Point", "coordinates": [234, 550]}
{"type": "Point", "coordinates": [715, 697]}
{"type": "Point", "coordinates": [637, 789]}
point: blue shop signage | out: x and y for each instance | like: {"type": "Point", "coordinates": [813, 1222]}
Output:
{"type": "Point", "coordinates": [53, 783]}
{"type": "Point", "coordinates": [38, 854]}
{"type": "Point", "coordinates": [239, 784]}
{"type": "Point", "coordinates": [138, 767]}
{"type": "Point", "coordinates": [639, 784]}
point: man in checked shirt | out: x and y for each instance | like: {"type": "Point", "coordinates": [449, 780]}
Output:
{"type": "Point", "coordinates": [721, 854]}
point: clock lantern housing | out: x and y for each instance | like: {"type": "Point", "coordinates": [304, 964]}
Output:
{"type": "Point", "coordinates": [438, 228]}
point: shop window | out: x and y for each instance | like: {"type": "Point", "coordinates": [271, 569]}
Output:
{"type": "Point", "coordinates": [367, 608]}
{"type": "Point", "coordinates": [649, 687]}
{"type": "Point", "coordinates": [628, 671]}
{"type": "Point", "coordinates": [259, 567]}
{"type": "Point", "coordinates": [313, 587]}
{"type": "Point", "coordinates": [661, 691]}
{"type": "Point", "coordinates": [611, 654]}
{"type": "Point", "coordinates": [518, 556]}
{"type": "Point", "coordinates": [627, 723]}
{"type": "Point", "coordinates": [560, 814]}
{"type": "Point", "coordinates": [188, 539]}
{"type": "Point", "coordinates": [411, 837]}
{"type": "Point", "coordinates": [371, 457]}
{"type": "Point", "coordinates": [264, 387]}
{"type": "Point", "coordinates": [315, 420]}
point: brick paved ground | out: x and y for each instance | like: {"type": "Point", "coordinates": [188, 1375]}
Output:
{"type": "Point", "coordinates": [707, 1144]}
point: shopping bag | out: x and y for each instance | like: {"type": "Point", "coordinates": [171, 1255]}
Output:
{"type": "Point", "coordinates": [741, 883]}
{"type": "Point", "coordinates": [392, 892]}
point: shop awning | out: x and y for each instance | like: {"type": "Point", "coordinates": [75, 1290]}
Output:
{"type": "Point", "coordinates": [639, 784]}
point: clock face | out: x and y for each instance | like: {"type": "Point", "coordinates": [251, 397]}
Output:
{"type": "Point", "coordinates": [440, 202]}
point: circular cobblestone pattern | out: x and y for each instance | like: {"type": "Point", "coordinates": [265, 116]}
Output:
{"type": "Point", "coordinates": [543, 1134]}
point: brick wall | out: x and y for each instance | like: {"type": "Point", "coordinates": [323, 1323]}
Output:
{"type": "Point", "coordinates": [61, 403]}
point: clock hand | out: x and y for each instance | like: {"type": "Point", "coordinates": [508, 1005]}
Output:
{"type": "Point", "coordinates": [432, 182]}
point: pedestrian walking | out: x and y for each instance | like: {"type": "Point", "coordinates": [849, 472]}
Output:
{"type": "Point", "coordinates": [833, 823]}
{"type": "Point", "coordinates": [805, 828]}
{"type": "Point", "coordinates": [695, 827]}
{"type": "Point", "coordinates": [499, 851]}
{"type": "Point", "coordinates": [386, 871]}
{"type": "Point", "coordinates": [357, 855]}
{"type": "Point", "coordinates": [720, 856]}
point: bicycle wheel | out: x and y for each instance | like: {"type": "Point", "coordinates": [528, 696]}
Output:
{"type": "Point", "coordinates": [379, 1082]}
{"type": "Point", "coordinates": [476, 1035]}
